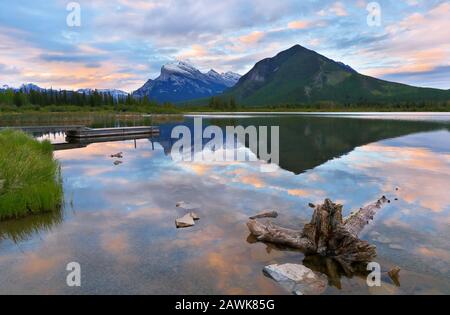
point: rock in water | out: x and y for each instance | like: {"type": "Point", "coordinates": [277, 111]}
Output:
{"type": "Point", "coordinates": [297, 279]}
{"type": "Point", "coordinates": [194, 216]}
{"type": "Point", "coordinates": [117, 155]}
{"type": "Point", "coordinates": [396, 246]}
{"type": "Point", "coordinates": [185, 221]}
{"type": "Point", "coordinates": [117, 162]}
{"type": "Point", "coordinates": [187, 206]}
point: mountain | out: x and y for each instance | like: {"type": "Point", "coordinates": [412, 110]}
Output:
{"type": "Point", "coordinates": [116, 94]}
{"type": "Point", "coordinates": [27, 88]}
{"type": "Point", "coordinates": [181, 81]}
{"type": "Point", "coordinates": [302, 76]}
{"type": "Point", "coordinates": [6, 87]}
{"type": "Point", "coordinates": [228, 79]}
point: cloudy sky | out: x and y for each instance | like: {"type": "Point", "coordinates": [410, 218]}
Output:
{"type": "Point", "coordinates": [122, 43]}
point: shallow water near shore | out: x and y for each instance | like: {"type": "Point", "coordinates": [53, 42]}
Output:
{"type": "Point", "coordinates": [118, 220]}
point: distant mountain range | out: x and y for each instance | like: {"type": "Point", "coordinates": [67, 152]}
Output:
{"type": "Point", "coordinates": [27, 88]}
{"type": "Point", "coordinates": [113, 92]}
{"type": "Point", "coordinates": [180, 81]}
{"type": "Point", "coordinates": [301, 76]}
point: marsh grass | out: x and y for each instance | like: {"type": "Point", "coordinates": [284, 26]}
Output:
{"type": "Point", "coordinates": [30, 180]}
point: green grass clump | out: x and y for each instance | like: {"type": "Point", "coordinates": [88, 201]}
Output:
{"type": "Point", "coordinates": [30, 180]}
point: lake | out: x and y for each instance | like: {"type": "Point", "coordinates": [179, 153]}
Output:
{"type": "Point", "coordinates": [118, 220]}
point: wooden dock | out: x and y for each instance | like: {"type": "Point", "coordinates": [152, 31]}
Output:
{"type": "Point", "coordinates": [77, 143]}
{"type": "Point", "coordinates": [82, 133]}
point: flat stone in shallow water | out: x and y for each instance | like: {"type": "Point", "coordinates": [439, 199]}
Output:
{"type": "Point", "coordinates": [186, 221]}
{"type": "Point", "coordinates": [297, 279]}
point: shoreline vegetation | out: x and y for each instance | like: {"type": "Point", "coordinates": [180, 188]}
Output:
{"type": "Point", "coordinates": [30, 177]}
{"type": "Point", "coordinates": [169, 109]}
{"type": "Point", "coordinates": [52, 101]}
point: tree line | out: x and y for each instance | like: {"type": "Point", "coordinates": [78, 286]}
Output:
{"type": "Point", "coordinates": [21, 98]}
{"type": "Point", "coordinates": [222, 103]}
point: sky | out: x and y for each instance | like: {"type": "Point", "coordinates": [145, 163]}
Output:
{"type": "Point", "coordinates": [123, 43]}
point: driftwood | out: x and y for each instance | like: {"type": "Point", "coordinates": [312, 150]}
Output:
{"type": "Point", "coordinates": [270, 214]}
{"type": "Point", "coordinates": [328, 234]}
{"type": "Point", "coordinates": [394, 274]}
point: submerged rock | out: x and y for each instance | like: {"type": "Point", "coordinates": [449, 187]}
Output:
{"type": "Point", "coordinates": [117, 162]}
{"type": "Point", "coordinates": [396, 246]}
{"type": "Point", "coordinates": [297, 279]}
{"type": "Point", "coordinates": [185, 221]}
{"type": "Point", "coordinates": [187, 206]}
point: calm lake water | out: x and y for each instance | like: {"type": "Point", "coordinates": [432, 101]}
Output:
{"type": "Point", "coordinates": [118, 221]}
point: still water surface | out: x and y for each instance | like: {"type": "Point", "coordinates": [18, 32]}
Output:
{"type": "Point", "coordinates": [118, 221]}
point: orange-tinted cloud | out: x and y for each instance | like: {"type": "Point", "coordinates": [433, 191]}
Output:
{"type": "Point", "coordinates": [252, 38]}
{"type": "Point", "coordinates": [298, 24]}
{"type": "Point", "coordinates": [414, 44]}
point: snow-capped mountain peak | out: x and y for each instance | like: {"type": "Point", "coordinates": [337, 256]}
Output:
{"type": "Point", "coordinates": [228, 78]}
{"type": "Point", "coordinates": [231, 77]}
{"type": "Point", "coordinates": [178, 68]}
{"type": "Point", "coordinates": [31, 87]}
{"type": "Point", "coordinates": [113, 92]}
{"type": "Point", "coordinates": [180, 81]}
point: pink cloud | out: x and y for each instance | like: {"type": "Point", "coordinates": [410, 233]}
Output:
{"type": "Point", "coordinates": [252, 38]}
{"type": "Point", "coordinates": [298, 24]}
{"type": "Point", "coordinates": [417, 43]}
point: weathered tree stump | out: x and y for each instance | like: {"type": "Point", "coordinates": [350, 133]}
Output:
{"type": "Point", "coordinates": [328, 234]}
